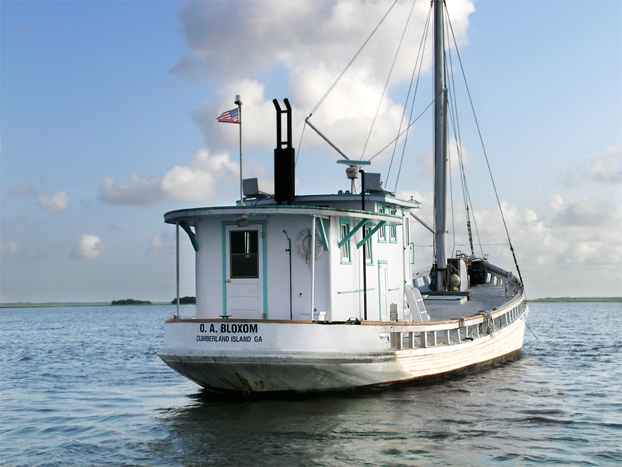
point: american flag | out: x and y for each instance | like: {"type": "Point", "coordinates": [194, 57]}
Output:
{"type": "Point", "coordinates": [230, 116]}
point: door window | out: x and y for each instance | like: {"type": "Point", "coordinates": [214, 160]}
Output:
{"type": "Point", "coordinates": [244, 251]}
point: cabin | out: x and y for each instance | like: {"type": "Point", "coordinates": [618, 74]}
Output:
{"type": "Point", "coordinates": [307, 261]}
{"type": "Point", "coordinates": [278, 256]}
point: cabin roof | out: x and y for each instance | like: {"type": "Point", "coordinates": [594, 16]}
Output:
{"type": "Point", "coordinates": [195, 214]}
{"type": "Point", "coordinates": [344, 197]}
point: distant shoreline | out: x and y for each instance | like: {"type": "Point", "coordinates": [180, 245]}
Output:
{"type": "Point", "coordinates": [580, 300]}
{"type": "Point", "coordinates": [70, 304]}
{"type": "Point", "coordinates": [74, 304]}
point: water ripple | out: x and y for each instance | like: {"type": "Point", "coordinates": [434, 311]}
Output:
{"type": "Point", "coordinates": [84, 386]}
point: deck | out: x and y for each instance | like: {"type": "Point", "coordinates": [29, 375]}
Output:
{"type": "Point", "coordinates": [484, 297]}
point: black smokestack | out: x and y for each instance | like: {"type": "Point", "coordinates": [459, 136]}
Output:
{"type": "Point", "coordinates": [284, 158]}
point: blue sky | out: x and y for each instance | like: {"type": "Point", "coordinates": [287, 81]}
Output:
{"type": "Point", "coordinates": [108, 115]}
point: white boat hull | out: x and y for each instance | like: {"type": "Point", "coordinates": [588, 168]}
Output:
{"type": "Point", "coordinates": [281, 356]}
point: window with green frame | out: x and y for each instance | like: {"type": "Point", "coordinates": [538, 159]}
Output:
{"type": "Point", "coordinates": [369, 257]}
{"type": "Point", "coordinates": [382, 232]}
{"type": "Point", "coordinates": [393, 228]}
{"type": "Point", "coordinates": [346, 257]}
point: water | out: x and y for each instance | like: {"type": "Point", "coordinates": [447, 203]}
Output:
{"type": "Point", "coordinates": [83, 386]}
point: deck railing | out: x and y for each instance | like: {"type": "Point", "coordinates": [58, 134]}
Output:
{"type": "Point", "coordinates": [458, 331]}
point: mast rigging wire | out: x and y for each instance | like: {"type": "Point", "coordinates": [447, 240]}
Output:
{"type": "Point", "coordinates": [405, 130]}
{"type": "Point", "coordinates": [455, 122]}
{"type": "Point", "coordinates": [419, 61]}
{"type": "Point", "coordinates": [386, 84]}
{"type": "Point", "coordinates": [352, 60]}
{"type": "Point", "coordinates": [484, 150]}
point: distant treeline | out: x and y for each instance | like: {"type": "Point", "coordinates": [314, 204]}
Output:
{"type": "Point", "coordinates": [577, 299]}
{"type": "Point", "coordinates": [131, 301]}
{"type": "Point", "coordinates": [184, 301]}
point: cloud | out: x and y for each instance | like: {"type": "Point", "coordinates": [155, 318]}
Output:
{"type": "Point", "coordinates": [307, 43]}
{"type": "Point", "coordinates": [25, 190]}
{"type": "Point", "coordinates": [580, 211]}
{"type": "Point", "coordinates": [571, 240]}
{"type": "Point", "coordinates": [198, 180]}
{"type": "Point", "coordinates": [272, 34]}
{"type": "Point", "coordinates": [258, 130]}
{"type": "Point", "coordinates": [9, 248]}
{"type": "Point", "coordinates": [161, 241]}
{"type": "Point", "coordinates": [304, 45]}
{"type": "Point", "coordinates": [39, 251]}
{"type": "Point", "coordinates": [187, 67]}
{"type": "Point", "coordinates": [606, 166]}
{"type": "Point", "coordinates": [88, 246]}
{"type": "Point", "coordinates": [58, 201]}
{"type": "Point", "coordinates": [140, 190]}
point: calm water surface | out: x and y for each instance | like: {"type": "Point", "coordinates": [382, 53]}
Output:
{"type": "Point", "coordinates": [84, 386]}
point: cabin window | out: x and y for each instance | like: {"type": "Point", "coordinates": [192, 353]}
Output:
{"type": "Point", "coordinates": [369, 259]}
{"type": "Point", "coordinates": [382, 232]}
{"type": "Point", "coordinates": [244, 250]}
{"type": "Point", "coordinates": [345, 248]}
{"type": "Point", "coordinates": [406, 230]}
{"type": "Point", "coordinates": [393, 229]}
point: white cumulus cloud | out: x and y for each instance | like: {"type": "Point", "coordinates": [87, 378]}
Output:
{"type": "Point", "coordinates": [308, 43]}
{"type": "Point", "coordinates": [197, 180]}
{"type": "Point", "coordinates": [56, 202]}
{"type": "Point", "coordinates": [88, 246]}
{"type": "Point", "coordinates": [140, 190]}
{"type": "Point", "coordinates": [569, 241]}
{"type": "Point", "coordinates": [606, 166]}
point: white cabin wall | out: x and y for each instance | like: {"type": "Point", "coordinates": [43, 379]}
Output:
{"type": "Point", "coordinates": [347, 279]}
{"type": "Point", "coordinates": [398, 266]}
{"type": "Point", "coordinates": [278, 270]}
{"type": "Point", "coordinates": [209, 280]}
{"type": "Point", "coordinates": [338, 287]}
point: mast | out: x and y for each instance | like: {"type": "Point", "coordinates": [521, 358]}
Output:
{"type": "Point", "coordinates": [440, 146]}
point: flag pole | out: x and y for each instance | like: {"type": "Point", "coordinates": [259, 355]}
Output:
{"type": "Point", "coordinates": [238, 102]}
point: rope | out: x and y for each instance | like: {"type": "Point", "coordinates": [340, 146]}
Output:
{"type": "Point", "coordinates": [352, 60]}
{"type": "Point", "coordinates": [490, 323]}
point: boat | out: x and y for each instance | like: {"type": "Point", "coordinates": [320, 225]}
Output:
{"type": "Point", "coordinates": [319, 292]}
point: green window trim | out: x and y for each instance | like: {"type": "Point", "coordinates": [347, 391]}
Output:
{"type": "Point", "coordinates": [371, 233]}
{"type": "Point", "coordinates": [264, 265]}
{"type": "Point", "coordinates": [393, 228]}
{"type": "Point", "coordinates": [351, 232]}
{"type": "Point", "coordinates": [323, 234]}
{"type": "Point", "coordinates": [344, 245]}
{"type": "Point", "coordinates": [369, 251]}
{"type": "Point", "coordinates": [382, 234]}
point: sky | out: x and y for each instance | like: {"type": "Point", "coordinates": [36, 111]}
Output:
{"type": "Point", "coordinates": [108, 120]}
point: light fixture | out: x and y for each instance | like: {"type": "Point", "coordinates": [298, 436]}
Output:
{"type": "Point", "coordinates": [242, 221]}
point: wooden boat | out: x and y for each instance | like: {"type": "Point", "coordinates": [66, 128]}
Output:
{"type": "Point", "coordinates": [319, 292]}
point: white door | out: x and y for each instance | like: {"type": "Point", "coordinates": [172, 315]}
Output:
{"type": "Point", "coordinates": [383, 281]}
{"type": "Point", "coordinates": [244, 272]}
